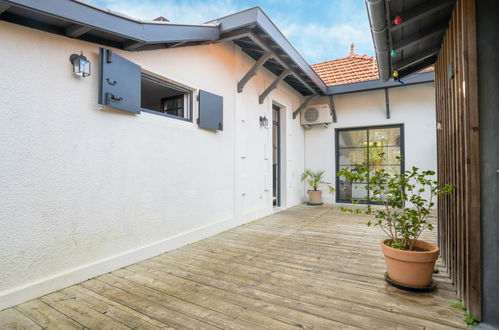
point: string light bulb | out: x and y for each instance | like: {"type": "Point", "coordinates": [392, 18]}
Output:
{"type": "Point", "coordinates": [395, 74]}
{"type": "Point", "coordinates": [398, 20]}
{"type": "Point", "coordinates": [393, 53]}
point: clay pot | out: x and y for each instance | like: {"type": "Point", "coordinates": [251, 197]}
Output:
{"type": "Point", "coordinates": [411, 268]}
{"type": "Point", "coordinates": [314, 197]}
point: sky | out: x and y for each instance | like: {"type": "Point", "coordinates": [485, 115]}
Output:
{"type": "Point", "coordinates": [320, 30]}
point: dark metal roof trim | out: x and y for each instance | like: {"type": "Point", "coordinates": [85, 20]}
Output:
{"type": "Point", "coordinates": [85, 21]}
{"type": "Point", "coordinates": [255, 17]}
{"type": "Point", "coordinates": [97, 19]}
{"type": "Point", "coordinates": [418, 78]}
{"type": "Point", "coordinates": [415, 41]}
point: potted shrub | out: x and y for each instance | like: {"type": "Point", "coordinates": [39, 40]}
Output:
{"type": "Point", "coordinates": [314, 180]}
{"type": "Point", "coordinates": [405, 201]}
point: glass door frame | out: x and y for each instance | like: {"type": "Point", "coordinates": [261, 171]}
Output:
{"type": "Point", "coordinates": [366, 128]}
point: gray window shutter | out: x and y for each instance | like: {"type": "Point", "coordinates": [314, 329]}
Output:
{"type": "Point", "coordinates": [119, 85]}
{"type": "Point", "coordinates": [211, 111]}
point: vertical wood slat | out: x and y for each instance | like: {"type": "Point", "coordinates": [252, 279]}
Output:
{"type": "Point", "coordinates": [458, 150]}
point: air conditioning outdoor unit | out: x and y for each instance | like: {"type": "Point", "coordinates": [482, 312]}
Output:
{"type": "Point", "coordinates": [316, 115]}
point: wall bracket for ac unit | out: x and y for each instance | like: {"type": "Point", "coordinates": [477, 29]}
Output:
{"type": "Point", "coordinates": [310, 126]}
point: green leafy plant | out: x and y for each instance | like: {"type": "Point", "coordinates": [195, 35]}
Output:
{"type": "Point", "coordinates": [315, 179]}
{"type": "Point", "coordinates": [457, 304]}
{"type": "Point", "coordinates": [470, 319]}
{"type": "Point", "coordinates": [402, 223]}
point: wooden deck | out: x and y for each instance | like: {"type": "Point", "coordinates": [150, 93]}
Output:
{"type": "Point", "coordinates": [307, 267]}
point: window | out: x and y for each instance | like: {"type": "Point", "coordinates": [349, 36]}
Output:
{"type": "Point", "coordinates": [123, 86]}
{"type": "Point", "coordinates": [363, 146]}
{"type": "Point", "coordinates": [162, 97]}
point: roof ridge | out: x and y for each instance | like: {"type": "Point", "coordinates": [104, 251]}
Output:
{"type": "Point", "coordinates": [354, 56]}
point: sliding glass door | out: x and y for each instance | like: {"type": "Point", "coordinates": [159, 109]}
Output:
{"type": "Point", "coordinates": [374, 147]}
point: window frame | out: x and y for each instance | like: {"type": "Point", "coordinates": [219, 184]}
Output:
{"type": "Point", "coordinates": [175, 87]}
{"type": "Point", "coordinates": [337, 132]}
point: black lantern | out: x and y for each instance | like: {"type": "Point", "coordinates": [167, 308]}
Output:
{"type": "Point", "coordinates": [264, 122]}
{"type": "Point", "coordinates": [81, 65]}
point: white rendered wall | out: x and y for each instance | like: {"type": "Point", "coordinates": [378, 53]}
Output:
{"type": "Point", "coordinates": [85, 191]}
{"type": "Point", "coordinates": [413, 106]}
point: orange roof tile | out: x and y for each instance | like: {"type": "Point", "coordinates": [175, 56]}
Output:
{"type": "Point", "coordinates": [351, 69]}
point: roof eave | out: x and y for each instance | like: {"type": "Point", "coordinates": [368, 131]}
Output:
{"type": "Point", "coordinates": [418, 78]}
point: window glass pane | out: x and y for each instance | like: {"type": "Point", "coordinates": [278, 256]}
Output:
{"type": "Point", "coordinates": [349, 191]}
{"type": "Point", "coordinates": [352, 156]}
{"type": "Point", "coordinates": [377, 148]}
{"type": "Point", "coordinates": [392, 170]}
{"type": "Point", "coordinates": [354, 138]}
{"type": "Point", "coordinates": [384, 155]}
{"type": "Point", "coordinates": [385, 136]}
{"type": "Point", "coordinates": [162, 98]}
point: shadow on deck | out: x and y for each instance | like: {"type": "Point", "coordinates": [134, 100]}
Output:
{"type": "Point", "coordinates": [306, 267]}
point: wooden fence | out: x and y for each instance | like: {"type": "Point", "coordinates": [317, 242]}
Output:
{"type": "Point", "coordinates": [458, 154]}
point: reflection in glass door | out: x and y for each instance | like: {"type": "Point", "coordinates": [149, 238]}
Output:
{"type": "Point", "coordinates": [374, 147]}
{"type": "Point", "coordinates": [276, 156]}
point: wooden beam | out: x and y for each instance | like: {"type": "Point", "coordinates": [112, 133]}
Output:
{"type": "Point", "coordinates": [177, 44]}
{"type": "Point", "coordinates": [278, 58]}
{"type": "Point", "coordinates": [333, 107]}
{"type": "Point", "coordinates": [418, 12]}
{"type": "Point", "coordinates": [253, 71]}
{"type": "Point", "coordinates": [303, 105]}
{"type": "Point", "coordinates": [420, 36]}
{"type": "Point", "coordinates": [417, 67]}
{"type": "Point", "coordinates": [274, 84]}
{"type": "Point", "coordinates": [4, 7]}
{"type": "Point", "coordinates": [416, 58]}
{"type": "Point", "coordinates": [387, 104]}
{"type": "Point", "coordinates": [133, 45]}
{"type": "Point", "coordinates": [76, 30]}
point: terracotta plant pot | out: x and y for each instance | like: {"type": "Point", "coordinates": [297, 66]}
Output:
{"type": "Point", "coordinates": [314, 197]}
{"type": "Point", "coordinates": [411, 268]}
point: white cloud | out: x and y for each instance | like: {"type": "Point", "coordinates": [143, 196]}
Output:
{"type": "Point", "coordinates": [319, 42]}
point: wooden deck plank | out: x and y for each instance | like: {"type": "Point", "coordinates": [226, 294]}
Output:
{"type": "Point", "coordinates": [146, 306]}
{"type": "Point", "coordinates": [191, 292]}
{"type": "Point", "coordinates": [113, 310]}
{"type": "Point", "coordinates": [208, 315]}
{"type": "Point", "coordinates": [81, 313]}
{"type": "Point", "coordinates": [12, 319]}
{"type": "Point", "coordinates": [305, 267]}
{"type": "Point", "coordinates": [46, 316]}
{"type": "Point", "coordinates": [304, 291]}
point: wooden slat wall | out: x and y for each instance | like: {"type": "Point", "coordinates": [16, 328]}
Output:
{"type": "Point", "coordinates": [458, 154]}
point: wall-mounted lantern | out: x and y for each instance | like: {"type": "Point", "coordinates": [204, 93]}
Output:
{"type": "Point", "coordinates": [264, 122]}
{"type": "Point", "coordinates": [81, 65]}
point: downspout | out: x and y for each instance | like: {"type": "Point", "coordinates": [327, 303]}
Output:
{"type": "Point", "coordinates": [377, 20]}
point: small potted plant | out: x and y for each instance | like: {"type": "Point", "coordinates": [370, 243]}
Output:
{"type": "Point", "coordinates": [405, 201]}
{"type": "Point", "coordinates": [314, 180]}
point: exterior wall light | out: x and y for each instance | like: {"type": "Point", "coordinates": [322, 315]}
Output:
{"type": "Point", "coordinates": [264, 122]}
{"type": "Point", "coordinates": [81, 65]}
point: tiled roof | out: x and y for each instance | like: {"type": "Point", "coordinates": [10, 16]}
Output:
{"type": "Point", "coordinates": [350, 69]}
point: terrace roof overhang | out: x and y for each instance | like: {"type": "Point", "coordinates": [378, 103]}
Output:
{"type": "Point", "coordinates": [416, 40]}
{"type": "Point", "coordinates": [418, 78]}
{"type": "Point", "coordinates": [250, 29]}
